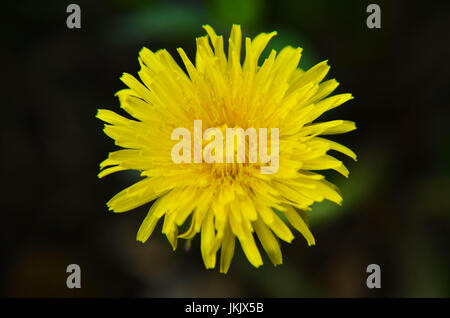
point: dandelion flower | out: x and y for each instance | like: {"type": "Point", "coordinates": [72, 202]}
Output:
{"type": "Point", "coordinates": [223, 202]}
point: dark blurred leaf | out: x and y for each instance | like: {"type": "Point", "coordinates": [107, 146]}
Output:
{"type": "Point", "coordinates": [161, 22]}
{"type": "Point", "coordinates": [248, 13]}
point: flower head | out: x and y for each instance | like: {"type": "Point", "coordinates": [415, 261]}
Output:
{"type": "Point", "coordinates": [223, 201]}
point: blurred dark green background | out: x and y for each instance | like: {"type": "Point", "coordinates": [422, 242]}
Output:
{"type": "Point", "coordinates": [396, 210]}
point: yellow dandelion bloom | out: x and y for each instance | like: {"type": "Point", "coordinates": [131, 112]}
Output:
{"type": "Point", "coordinates": [234, 199]}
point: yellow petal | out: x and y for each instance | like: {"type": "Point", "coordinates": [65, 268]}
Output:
{"type": "Point", "coordinates": [136, 86]}
{"type": "Point", "coordinates": [207, 237]}
{"type": "Point", "coordinates": [297, 222]}
{"type": "Point", "coordinates": [110, 170]}
{"type": "Point", "coordinates": [148, 225]}
{"type": "Point", "coordinates": [268, 241]}
{"type": "Point", "coordinates": [136, 195]}
{"type": "Point", "coordinates": [251, 251]}
{"type": "Point", "coordinates": [227, 251]}
{"type": "Point", "coordinates": [234, 46]}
